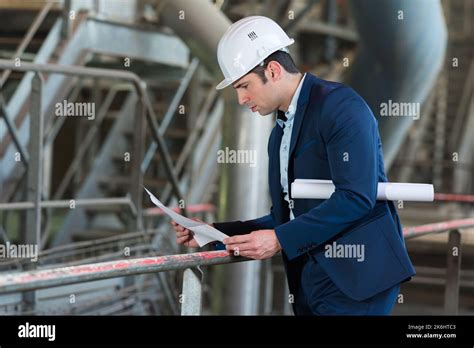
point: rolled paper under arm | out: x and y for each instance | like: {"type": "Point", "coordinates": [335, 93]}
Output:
{"type": "Point", "coordinates": [390, 191]}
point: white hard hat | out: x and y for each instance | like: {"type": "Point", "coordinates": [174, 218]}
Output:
{"type": "Point", "coordinates": [246, 44]}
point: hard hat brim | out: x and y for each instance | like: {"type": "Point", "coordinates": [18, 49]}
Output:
{"type": "Point", "coordinates": [226, 82]}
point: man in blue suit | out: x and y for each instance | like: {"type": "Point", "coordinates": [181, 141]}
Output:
{"type": "Point", "coordinates": [344, 255]}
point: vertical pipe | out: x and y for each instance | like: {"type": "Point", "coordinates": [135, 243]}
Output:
{"type": "Point", "coordinates": [33, 225]}
{"type": "Point", "coordinates": [32, 234]}
{"type": "Point", "coordinates": [192, 293]}
{"type": "Point", "coordinates": [269, 285]}
{"type": "Point", "coordinates": [453, 273]}
{"type": "Point", "coordinates": [244, 196]}
{"type": "Point", "coordinates": [440, 136]}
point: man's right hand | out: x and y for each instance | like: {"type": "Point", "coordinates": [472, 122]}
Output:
{"type": "Point", "coordinates": [185, 236]}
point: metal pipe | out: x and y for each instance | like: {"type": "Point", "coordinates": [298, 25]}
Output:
{"type": "Point", "coordinates": [35, 167]}
{"type": "Point", "coordinates": [192, 293]}
{"type": "Point", "coordinates": [201, 39]}
{"type": "Point", "coordinates": [449, 197]}
{"type": "Point", "coordinates": [453, 273]}
{"type": "Point", "coordinates": [65, 203]}
{"type": "Point", "coordinates": [73, 70]}
{"type": "Point", "coordinates": [41, 279]}
{"type": "Point", "coordinates": [136, 183]}
{"type": "Point", "coordinates": [413, 232]}
{"type": "Point", "coordinates": [244, 196]}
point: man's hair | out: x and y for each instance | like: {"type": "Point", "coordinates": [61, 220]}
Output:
{"type": "Point", "coordinates": [281, 57]}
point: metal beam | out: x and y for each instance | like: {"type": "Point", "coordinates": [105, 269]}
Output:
{"type": "Point", "coordinates": [35, 168]}
{"type": "Point", "coordinates": [136, 182]}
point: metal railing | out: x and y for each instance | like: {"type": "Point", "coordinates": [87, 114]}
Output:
{"type": "Point", "coordinates": [193, 276]}
{"type": "Point", "coordinates": [144, 109]}
{"type": "Point", "coordinates": [453, 261]}
{"type": "Point", "coordinates": [40, 279]}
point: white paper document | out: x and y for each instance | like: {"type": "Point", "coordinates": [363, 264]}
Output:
{"type": "Point", "coordinates": [389, 191]}
{"type": "Point", "coordinates": [203, 233]}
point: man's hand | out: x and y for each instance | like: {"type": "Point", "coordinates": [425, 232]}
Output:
{"type": "Point", "coordinates": [185, 236]}
{"type": "Point", "coordinates": [258, 245]}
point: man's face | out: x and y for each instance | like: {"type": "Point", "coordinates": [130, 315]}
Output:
{"type": "Point", "coordinates": [257, 96]}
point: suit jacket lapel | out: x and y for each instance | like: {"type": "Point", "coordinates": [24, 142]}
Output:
{"type": "Point", "coordinates": [301, 110]}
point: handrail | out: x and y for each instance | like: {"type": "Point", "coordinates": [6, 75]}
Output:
{"type": "Point", "coordinates": [193, 208]}
{"type": "Point", "coordinates": [453, 197]}
{"type": "Point", "coordinates": [438, 227]}
{"type": "Point", "coordinates": [65, 203]}
{"type": "Point", "coordinates": [39, 279]}
{"type": "Point", "coordinates": [139, 85]}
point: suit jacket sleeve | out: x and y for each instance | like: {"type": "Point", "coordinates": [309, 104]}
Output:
{"type": "Point", "coordinates": [234, 228]}
{"type": "Point", "coordinates": [350, 133]}
{"type": "Point", "coordinates": [243, 227]}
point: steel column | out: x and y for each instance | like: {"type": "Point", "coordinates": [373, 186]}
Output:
{"type": "Point", "coordinates": [137, 155]}
{"type": "Point", "coordinates": [33, 217]}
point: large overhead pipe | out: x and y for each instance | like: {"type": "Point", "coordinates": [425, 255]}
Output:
{"type": "Point", "coordinates": [400, 53]}
{"type": "Point", "coordinates": [200, 24]}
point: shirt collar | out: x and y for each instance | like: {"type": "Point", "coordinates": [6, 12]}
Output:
{"type": "Point", "coordinates": [282, 118]}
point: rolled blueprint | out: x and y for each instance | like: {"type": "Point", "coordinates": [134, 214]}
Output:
{"type": "Point", "coordinates": [389, 191]}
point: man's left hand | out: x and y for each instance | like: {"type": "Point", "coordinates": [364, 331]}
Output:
{"type": "Point", "coordinates": [258, 245]}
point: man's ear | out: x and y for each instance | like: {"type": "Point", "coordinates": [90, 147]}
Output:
{"type": "Point", "coordinates": [274, 69]}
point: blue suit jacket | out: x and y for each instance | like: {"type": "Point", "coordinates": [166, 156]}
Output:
{"type": "Point", "coordinates": [335, 137]}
